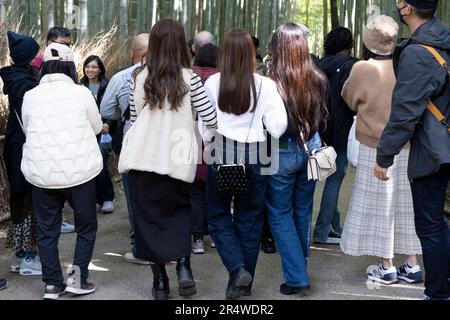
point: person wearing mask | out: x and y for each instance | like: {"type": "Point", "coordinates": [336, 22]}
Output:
{"type": "Point", "coordinates": [62, 36]}
{"type": "Point", "coordinates": [420, 113]}
{"type": "Point", "coordinates": [205, 65]}
{"type": "Point", "coordinates": [19, 78]}
{"type": "Point", "coordinates": [61, 159]}
{"type": "Point", "coordinates": [245, 103]}
{"type": "Point", "coordinates": [94, 78]}
{"type": "Point", "coordinates": [380, 220]}
{"type": "Point", "coordinates": [337, 65]}
{"type": "Point", "coordinates": [159, 154]}
{"type": "Point", "coordinates": [115, 107]}
{"type": "Point", "coordinates": [290, 195]}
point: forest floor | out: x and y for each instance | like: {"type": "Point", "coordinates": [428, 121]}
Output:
{"type": "Point", "coordinates": [334, 275]}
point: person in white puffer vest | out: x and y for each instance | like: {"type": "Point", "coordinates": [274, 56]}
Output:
{"type": "Point", "coordinates": [61, 159]}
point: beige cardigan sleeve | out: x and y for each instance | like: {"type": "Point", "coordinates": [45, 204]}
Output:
{"type": "Point", "coordinates": [351, 92]}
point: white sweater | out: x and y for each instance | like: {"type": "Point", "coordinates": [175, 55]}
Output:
{"type": "Point", "coordinates": [61, 121]}
{"type": "Point", "coordinates": [270, 112]}
{"type": "Point", "coordinates": [163, 141]}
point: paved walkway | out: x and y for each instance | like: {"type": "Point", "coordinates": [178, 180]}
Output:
{"type": "Point", "coordinates": [333, 274]}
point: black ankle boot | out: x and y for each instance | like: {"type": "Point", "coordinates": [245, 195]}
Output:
{"type": "Point", "coordinates": [239, 280]}
{"type": "Point", "coordinates": [161, 289]}
{"type": "Point", "coordinates": [186, 281]}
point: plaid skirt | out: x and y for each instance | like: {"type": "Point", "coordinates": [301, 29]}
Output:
{"type": "Point", "coordinates": [380, 221]}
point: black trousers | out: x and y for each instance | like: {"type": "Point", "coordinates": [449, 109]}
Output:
{"type": "Point", "coordinates": [48, 205]}
{"type": "Point", "coordinates": [199, 213]}
{"type": "Point", "coordinates": [433, 231]}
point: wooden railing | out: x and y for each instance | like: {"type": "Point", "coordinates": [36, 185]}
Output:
{"type": "Point", "coordinates": [4, 186]}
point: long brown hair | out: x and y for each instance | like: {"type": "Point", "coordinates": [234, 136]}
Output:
{"type": "Point", "coordinates": [237, 63]}
{"type": "Point", "coordinates": [301, 84]}
{"type": "Point", "coordinates": [167, 55]}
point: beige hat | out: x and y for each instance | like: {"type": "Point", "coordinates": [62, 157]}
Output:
{"type": "Point", "coordinates": [380, 35]}
{"type": "Point", "coordinates": [58, 52]}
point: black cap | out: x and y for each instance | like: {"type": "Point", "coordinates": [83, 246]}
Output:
{"type": "Point", "coordinates": [423, 4]}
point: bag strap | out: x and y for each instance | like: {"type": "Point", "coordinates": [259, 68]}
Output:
{"type": "Point", "coordinates": [437, 55]}
{"type": "Point", "coordinates": [251, 125]}
{"type": "Point", "coordinates": [20, 121]}
{"type": "Point", "coordinates": [431, 106]}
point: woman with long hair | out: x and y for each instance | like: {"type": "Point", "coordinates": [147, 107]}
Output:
{"type": "Point", "coordinates": [159, 153]}
{"type": "Point", "coordinates": [303, 88]}
{"type": "Point", "coordinates": [94, 78]}
{"type": "Point", "coordinates": [245, 103]}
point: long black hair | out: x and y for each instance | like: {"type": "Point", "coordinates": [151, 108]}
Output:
{"type": "Point", "coordinates": [101, 65]}
{"type": "Point", "coordinates": [64, 67]}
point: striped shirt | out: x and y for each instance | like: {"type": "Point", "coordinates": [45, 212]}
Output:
{"type": "Point", "coordinates": [199, 102]}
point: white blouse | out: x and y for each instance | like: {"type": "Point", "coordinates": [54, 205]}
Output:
{"type": "Point", "coordinates": [270, 113]}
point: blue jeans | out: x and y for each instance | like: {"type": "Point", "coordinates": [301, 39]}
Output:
{"type": "Point", "coordinates": [290, 205]}
{"type": "Point", "coordinates": [126, 190]}
{"type": "Point", "coordinates": [238, 236]}
{"type": "Point", "coordinates": [329, 214]}
{"type": "Point", "coordinates": [103, 183]}
{"type": "Point", "coordinates": [433, 231]}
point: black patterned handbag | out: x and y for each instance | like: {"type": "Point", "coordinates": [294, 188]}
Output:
{"type": "Point", "coordinates": [232, 179]}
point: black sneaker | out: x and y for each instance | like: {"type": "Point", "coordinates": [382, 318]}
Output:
{"type": "Point", "coordinates": [268, 246]}
{"type": "Point", "coordinates": [53, 292]}
{"type": "Point", "coordinates": [334, 238]}
{"type": "Point", "coordinates": [3, 283]}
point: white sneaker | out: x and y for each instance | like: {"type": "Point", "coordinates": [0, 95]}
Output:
{"type": "Point", "coordinates": [129, 257]}
{"type": "Point", "coordinates": [67, 228]}
{"type": "Point", "coordinates": [77, 287]}
{"type": "Point", "coordinates": [213, 245]}
{"type": "Point", "coordinates": [31, 267]}
{"type": "Point", "coordinates": [198, 247]}
{"type": "Point", "coordinates": [108, 207]}
{"type": "Point", "coordinates": [15, 264]}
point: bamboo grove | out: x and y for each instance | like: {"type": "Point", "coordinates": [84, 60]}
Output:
{"type": "Point", "coordinates": [260, 17]}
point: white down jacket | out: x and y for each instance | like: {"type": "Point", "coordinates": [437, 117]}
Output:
{"type": "Point", "coordinates": [61, 121]}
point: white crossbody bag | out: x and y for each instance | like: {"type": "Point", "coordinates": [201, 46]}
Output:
{"type": "Point", "coordinates": [321, 162]}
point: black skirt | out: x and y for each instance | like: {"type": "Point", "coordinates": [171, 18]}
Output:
{"type": "Point", "coordinates": [162, 217]}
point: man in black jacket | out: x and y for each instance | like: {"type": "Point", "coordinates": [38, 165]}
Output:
{"type": "Point", "coordinates": [421, 79]}
{"type": "Point", "coordinates": [337, 65]}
